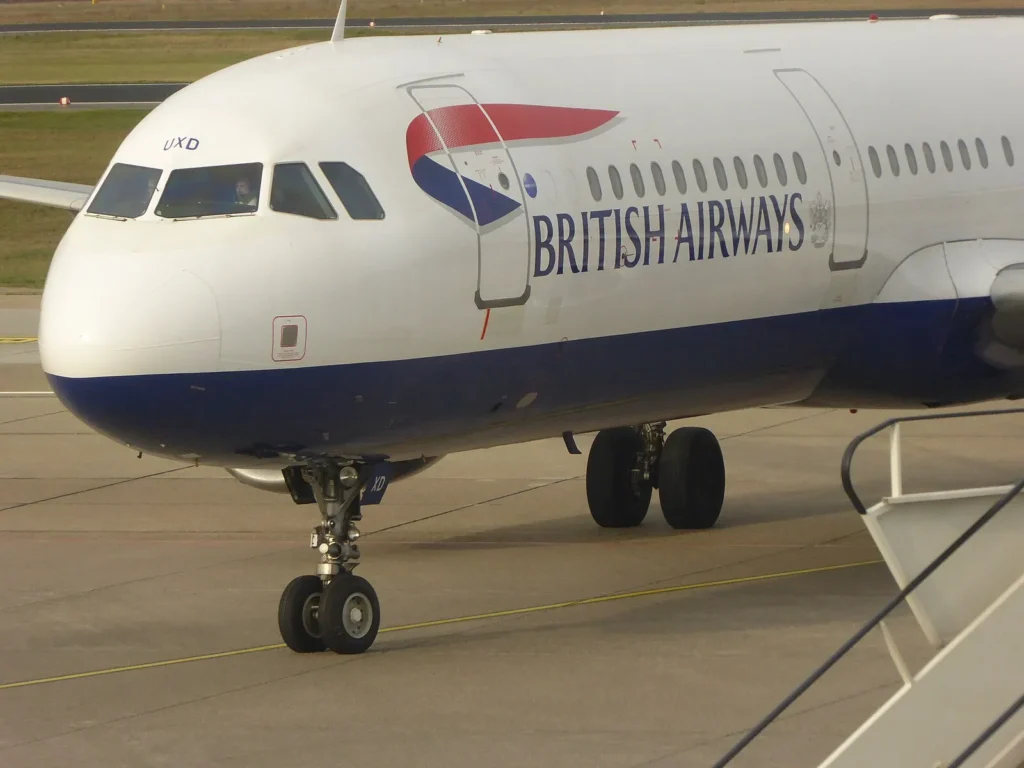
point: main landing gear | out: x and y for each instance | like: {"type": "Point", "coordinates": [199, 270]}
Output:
{"type": "Point", "coordinates": [334, 610]}
{"type": "Point", "coordinates": [627, 463]}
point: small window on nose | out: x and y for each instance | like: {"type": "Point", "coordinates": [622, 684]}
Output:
{"type": "Point", "coordinates": [289, 335]}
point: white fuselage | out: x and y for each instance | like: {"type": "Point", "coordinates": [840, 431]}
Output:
{"type": "Point", "coordinates": [541, 265]}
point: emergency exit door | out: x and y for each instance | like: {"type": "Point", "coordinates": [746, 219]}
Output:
{"type": "Point", "coordinates": [470, 170]}
{"type": "Point", "coordinates": [848, 209]}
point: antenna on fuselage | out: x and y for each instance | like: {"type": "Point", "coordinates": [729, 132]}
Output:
{"type": "Point", "coordinates": [339, 25]}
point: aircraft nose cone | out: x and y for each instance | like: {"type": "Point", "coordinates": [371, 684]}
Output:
{"type": "Point", "coordinates": [165, 323]}
{"type": "Point", "coordinates": [108, 328]}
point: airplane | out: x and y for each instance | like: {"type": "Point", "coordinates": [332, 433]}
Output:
{"type": "Point", "coordinates": [325, 268]}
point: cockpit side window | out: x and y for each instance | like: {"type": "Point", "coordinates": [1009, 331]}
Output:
{"type": "Point", "coordinates": [294, 190]}
{"type": "Point", "coordinates": [353, 191]}
{"type": "Point", "coordinates": [126, 192]}
{"type": "Point", "coordinates": [220, 190]}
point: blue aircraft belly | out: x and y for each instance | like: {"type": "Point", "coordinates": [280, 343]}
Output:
{"type": "Point", "coordinates": [904, 348]}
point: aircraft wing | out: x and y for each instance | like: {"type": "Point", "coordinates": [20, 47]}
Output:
{"type": "Point", "coordinates": [57, 194]}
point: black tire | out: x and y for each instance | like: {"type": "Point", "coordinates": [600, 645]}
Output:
{"type": "Point", "coordinates": [297, 614]}
{"type": "Point", "coordinates": [691, 478]}
{"type": "Point", "coordinates": [343, 631]}
{"type": "Point", "coordinates": [615, 500]}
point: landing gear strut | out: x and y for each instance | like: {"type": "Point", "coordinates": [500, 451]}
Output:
{"type": "Point", "coordinates": [335, 609]}
{"type": "Point", "coordinates": [627, 463]}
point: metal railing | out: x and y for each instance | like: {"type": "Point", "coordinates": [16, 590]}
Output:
{"type": "Point", "coordinates": [988, 733]}
{"type": "Point", "coordinates": [895, 466]}
{"type": "Point", "coordinates": [876, 620]}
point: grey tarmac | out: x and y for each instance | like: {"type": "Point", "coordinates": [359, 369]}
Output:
{"type": "Point", "coordinates": [96, 95]}
{"type": "Point", "coordinates": [430, 23]}
{"type": "Point", "coordinates": [113, 566]}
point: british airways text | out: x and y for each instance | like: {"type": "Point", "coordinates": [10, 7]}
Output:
{"type": "Point", "coordinates": [641, 235]}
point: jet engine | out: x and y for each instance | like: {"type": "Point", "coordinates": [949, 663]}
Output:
{"type": "Point", "coordinates": [1002, 340]}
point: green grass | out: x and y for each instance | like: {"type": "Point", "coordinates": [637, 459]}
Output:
{"type": "Point", "coordinates": [63, 146]}
{"type": "Point", "coordinates": [134, 57]}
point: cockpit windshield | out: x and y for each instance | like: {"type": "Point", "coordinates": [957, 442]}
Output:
{"type": "Point", "coordinates": [221, 190]}
{"type": "Point", "coordinates": [126, 192]}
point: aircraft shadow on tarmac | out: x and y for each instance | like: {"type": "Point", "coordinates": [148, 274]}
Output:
{"type": "Point", "coordinates": [748, 509]}
{"type": "Point", "coordinates": [928, 466]}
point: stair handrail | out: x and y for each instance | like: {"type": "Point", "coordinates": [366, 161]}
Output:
{"type": "Point", "coordinates": [914, 583]}
{"type": "Point", "coordinates": [847, 462]}
{"type": "Point", "coordinates": [988, 733]}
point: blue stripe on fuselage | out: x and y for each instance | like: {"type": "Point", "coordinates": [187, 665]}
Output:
{"type": "Point", "coordinates": [911, 350]}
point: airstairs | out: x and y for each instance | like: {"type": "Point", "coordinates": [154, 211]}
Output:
{"type": "Point", "coordinates": [958, 558]}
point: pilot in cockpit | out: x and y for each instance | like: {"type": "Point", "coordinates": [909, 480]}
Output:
{"type": "Point", "coordinates": [244, 194]}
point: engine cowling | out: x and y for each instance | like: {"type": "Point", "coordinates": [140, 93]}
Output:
{"type": "Point", "coordinates": [946, 328]}
{"type": "Point", "coordinates": [273, 480]}
{"type": "Point", "coordinates": [1002, 342]}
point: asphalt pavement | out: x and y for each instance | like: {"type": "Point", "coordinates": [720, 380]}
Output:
{"type": "Point", "coordinates": [88, 93]}
{"type": "Point", "coordinates": [476, 22]}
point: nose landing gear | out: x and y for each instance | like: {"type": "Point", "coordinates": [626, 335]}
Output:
{"type": "Point", "coordinates": [335, 609]}
{"type": "Point", "coordinates": [627, 463]}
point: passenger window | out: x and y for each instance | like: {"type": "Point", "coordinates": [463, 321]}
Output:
{"type": "Point", "coordinates": [220, 190]}
{"type": "Point", "coordinates": [595, 183]}
{"type": "Point", "coordinates": [894, 161]}
{"type": "Point", "coordinates": [723, 180]}
{"type": "Point", "coordinates": [762, 174]}
{"type": "Point", "coordinates": [126, 191]}
{"type": "Point", "coordinates": [965, 155]}
{"type": "Point", "coordinates": [613, 175]}
{"type": "Point", "coordinates": [353, 190]}
{"type": "Point", "coordinates": [677, 171]}
{"type": "Point", "coordinates": [911, 159]}
{"type": "Point", "coordinates": [702, 179]}
{"type": "Point", "coordinates": [741, 172]}
{"type": "Point", "coordinates": [876, 164]}
{"type": "Point", "coordinates": [947, 156]}
{"type": "Point", "coordinates": [780, 170]}
{"type": "Point", "coordinates": [295, 191]}
{"type": "Point", "coordinates": [982, 152]}
{"type": "Point", "coordinates": [929, 157]}
{"type": "Point", "coordinates": [801, 169]}
{"type": "Point", "coordinates": [569, 184]}
{"type": "Point", "coordinates": [1008, 151]}
{"type": "Point", "coordinates": [659, 178]}
{"type": "Point", "coordinates": [638, 180]}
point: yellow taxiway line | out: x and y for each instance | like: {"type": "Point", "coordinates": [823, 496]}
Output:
{"type": "Point", "coordinates": [455, 620]}
{"type": "Point", "coordinates": [17, 339]}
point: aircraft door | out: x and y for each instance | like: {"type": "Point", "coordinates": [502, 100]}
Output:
{"type": "Point", "coordinates": [846, 214]}
{"type": "Point", "coordinates": [485, 189]}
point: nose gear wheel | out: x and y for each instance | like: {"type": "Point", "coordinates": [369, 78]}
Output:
{"type": "Point", "coordinates": [335, 609]}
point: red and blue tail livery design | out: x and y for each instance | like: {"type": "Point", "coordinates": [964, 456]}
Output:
{"type": "Point", "coordinates": [465, 126]}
